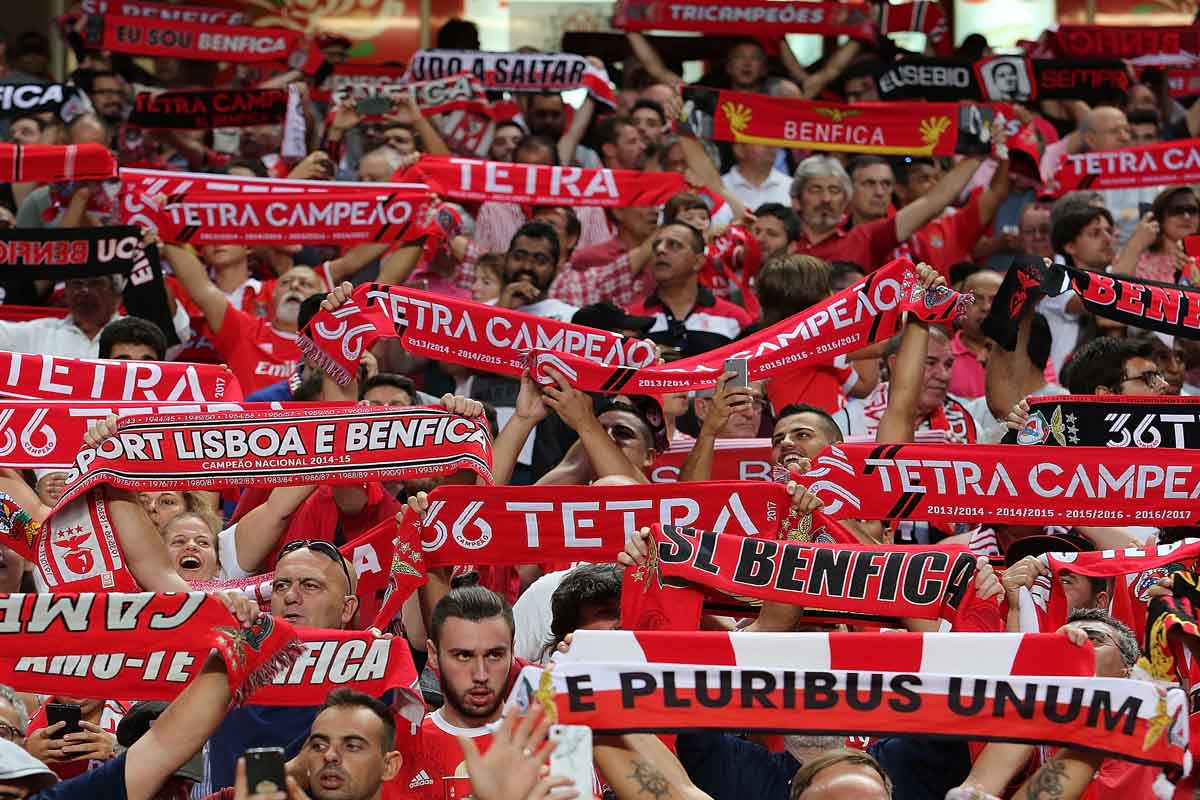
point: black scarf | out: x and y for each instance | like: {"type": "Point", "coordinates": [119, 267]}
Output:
{"type": "Point", "coordinates": [1111, 421]}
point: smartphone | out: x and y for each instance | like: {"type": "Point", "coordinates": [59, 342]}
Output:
{"type": "Point", "coordinates": [572, 757]}
{"type": "Point", "coordinates": [375, 104]}
{"type": "Point", "coordinates": [742, 367]}
{"type": "Point", "coordinates": [64, 712]}
{"type": "Point", "coordinates": [264, 770]}
{"type": "Point", "coordinates": [1144, 209]}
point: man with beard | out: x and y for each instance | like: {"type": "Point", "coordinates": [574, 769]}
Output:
{"type": "Point", "coordinates": [529, 268]}
{"type": "Point", "coordinates": [109, 97]}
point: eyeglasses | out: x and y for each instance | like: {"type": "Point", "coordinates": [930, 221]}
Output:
{"type": "Point", "coordinates": [1036, 230]}
{"type": "Point", "coordinates": [1151, 377]}
{"type": "Point", "coordinates": [1100, 638]}
{"type": "Point", "coordinates": [324, 548]}
{"type": "Point", "coordinates": [9, 732]}
{"type": "Point", "coordinates": [1183, 211]}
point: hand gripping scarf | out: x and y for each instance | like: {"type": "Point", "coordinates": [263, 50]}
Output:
{"type": "Point", "coordinates": [32, 377]}
{"type": "Point", "coordinates": [57, 625]}
{"type": "Point", "coordinates": [326, 660]}
{"type": "Point", "coordinates": [1008, 484]}
{"type": "Point", "coordinates": [50, 163]}
{"type": "Point", "coordinates": [474, 180]}
{"type": "Point", "coordinates": [199, 41]}
{"type": "Point", "coordinates": [42, 434]}
{"type": "Point", "coordinates": [515, 72]}
{"type": "Point", "coordinates": [1111, 421]}
{"type": "Point", "coordinates": [880, 128]}
{"type": "Point", "coordinates": [869, 311]}
{"type": "Point", "coordinates": [1164, 163]}
{"type": "Point", "coordinates": [203, 110]}
{"type": "Point", "coordinates": [281, 448]}
{"type": "Point", "coordinates": [746, 17]}
{"type": "Point", "coordinates": [526, 525]}
{"type": "Point", "coordinates": [906, 684]}
{"type": "Point", "coordinates": [442, 328]}
{"type": "Point", "coordinates": [1027, 281]}
{"type": "Point", "coordinates": [362, 215]}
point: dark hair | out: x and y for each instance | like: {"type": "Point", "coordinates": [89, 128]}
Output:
{"type": "Point", "coordinates": [901, 167]}
{"type": "Point", "coordinates": [537, 141]}
{"type": "Point", "coordinates": [1038, 348]}
{"type": "Point", "coordinates": [458, 34]}
{"type": "Point", "coordinates": [1126, 641]}
{"type": "Point", "coordinates": [587, 583]}
{"type": "Point", "coordinates": [349, 698]}
{"type": "Point", "coordinates": [571, 225]}
{"type": "Point", "coordinates": [309, 307]}
{"type": "Point", "coordinates": [840, 269]}
{"type": "Point", "coordinates": [512, 123]}
{"type": "Point", "coordinates": [133, 330]}
{"type": "Point", "coordinates": [1101, 362]}
{"type": "Point", "coordinates": [859, 162]}
{"type": "Point", "coordinates": [684, 201]}
{"type": "Point", "coordinates": [787, 285]}
{"type": "Point", "coordinates": [698, 243]}
{"type": "Point", "coordinates": [1144, 116]}
{"type": "Point", "coordinates": [1071, 223]}
{"type": "Point", "coordinates": [653, 105]}
{"type": "Point", "coordinates": [608, 129]}
{"type": "Point", "coordinates": [961, 271]}
{"type": "Point", "coordinates": [472, 603]}
{"type": "Point", "coordinates": [1159, 208]}
{"type": "Point", "coordinates": [831, 758]}
{"type": "Point", "coordinates": [401, 382]}
{"type": "Point", "coordinates": [34, 118]}
{"type": "Point", "coordinates": [539, 230]}
{"type": "Point", "coordinates": [789, 218]}
{"type": "Point", "coordinates": [832, 430]}
{"type": "Point", "coordinates": [255, 165]}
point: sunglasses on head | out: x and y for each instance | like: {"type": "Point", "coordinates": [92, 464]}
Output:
{"type": "Point", "coordinates": [322, 547]}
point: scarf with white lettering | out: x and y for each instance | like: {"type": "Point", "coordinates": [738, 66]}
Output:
{"type": "Point", "coordinates": [344, 218]}
{"type": "Point", "coordinates": [515, 72]}
{"type": "Point", "coordinates": [30, 377]}
{"type": "Point", "coordinates": [863, 684]}
{"type": "Point", "coordinates": [172, 452]}
{"type": "Point", "coordinates": [454, 93]}
{"type": "Point", "coordinates": [1111, 421]}
{"type": "Point", "coordinates": [1008, 484]}
{"type": "Point", "coordinates": [552, 524]}
{"type": "Point", "coordinates": [746, 17]}
{"type": "Point", "coordinates": [328, 659]}
{"type": "Point", "coordinates": [1160, 164]}
{"type": "Point", "coordinates": [204, 110]}
{"type": "Point", "coordinates": [923, 16]}
{"type": "Point", "coordinates": [869, 311]}
{"type": "Point", "coordinates": [473, 180]}
{"type": "Point", "coordinates": [881, 128]}
{"type": "Point", "coordinates": [1096, 80]}
{"type": "Point", "coordinates": [1164, 307]}
{"type": "Point", "coordinates": [43, 434]}
{"type": "Point", "coordinates": [49, 163]}
{"type": "Point", "coordinates": [35, 98]}
{"type": "Point", "coordinates": [1150, 44]}
{"type": "Point", "coordinates": [47, 626]}
{"type": "Point", "coordinates": [205, 15]}
{"type": "Point", "coordinates": [435, 326]}
{"type": "Point", "coordinates": [199, 41]}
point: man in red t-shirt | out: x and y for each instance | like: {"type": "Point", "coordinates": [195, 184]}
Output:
{"type": "Point", "coordinates": [260, 352]}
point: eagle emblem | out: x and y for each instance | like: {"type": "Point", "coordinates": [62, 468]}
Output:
{"type": "Point", "coordinates": [837, 114]}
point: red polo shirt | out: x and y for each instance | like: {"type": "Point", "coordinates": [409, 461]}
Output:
{"type": "Point", "coordinates": [868, 245]}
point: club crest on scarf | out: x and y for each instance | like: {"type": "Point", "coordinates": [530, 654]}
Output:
{"type": "Point", "coordinates": [1037, 430]}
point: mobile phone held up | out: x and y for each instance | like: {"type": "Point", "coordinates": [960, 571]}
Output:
{"type": "Point", "coordinates": [572, 756]}
{"type": "Point", "coordinates": [741, 367]}
{"type": "Point", "coordinates": [64, 712]}
{"type": "Point", "coordinates": [265, 771]}
{"type": "Point", "coordinates": [373, 105]}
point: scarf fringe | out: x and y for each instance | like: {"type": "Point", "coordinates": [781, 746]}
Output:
{"type": "Point", "coordinates": [265, 672]}
{"type": "Point", "coordinates": [310, 350]}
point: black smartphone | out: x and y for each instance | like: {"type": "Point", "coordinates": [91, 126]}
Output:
{"type": "Point", "coordinates": [1144, 209]}
{"type": "Point", "coordinates": [64, 712]}
{"type": "Point", "coordinates": [375, 104]}
{"type": "Point", "coordinates": [264, 770]}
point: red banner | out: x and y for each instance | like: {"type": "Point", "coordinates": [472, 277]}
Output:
{"type": "Point", "coordinates": [196, 41]}
{"type": "Point", "coordinates": [49, 163]}
{"type": "Point", "coordinates": [162, 12]}
{"type": "Point", "coordinates": [31, 377]}
{"type": "Point", "coordinates": [1165, 163]}
{"type": "Point", "coordinates": [746, 17]}
{"type": "Point", "coordinates": [1115, 41]}
{"type": "Point", "coordinates": [469, 179]}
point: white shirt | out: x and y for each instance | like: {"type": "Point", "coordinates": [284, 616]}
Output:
{"type": "Point", "coordinates": [533, 616]}
{"type": "Point", "coordinates": [62, 338]}
{"type": "Point", "coordinates": [775, 189]}
{"type": "Point", "coordinates": [550, 308]}
{"type": "Point", "coordinates": [1064, 327]}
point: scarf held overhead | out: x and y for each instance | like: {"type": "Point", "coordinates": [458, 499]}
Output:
{"type": "Point", "coordinates": [173, 452]}
{"type": "Point", "coordinates": [1111, 421]}
{"type": "Point", "coordinates": [474, 180]}
{"type": "Point", "coordinates": [36, 98]}
{"type": "Point", "coordinates": [746, 17]}
{"type": "Point", "coordinates": [33, 377]}
{"type": "Point", "coordinates": [1164, 307]}
{"type": "Point", "coordinates": [869, 311]}
{"type": "Point", "coordinates": [880, 128]}
{"type": "Point", "coordinates": [347, 217]}
{"type": "Point", "coordinates": [199, 41]}
{"type": "Point", "coordinates": [479, 336]}
{"type": "Point", "coordinates": [1003, 79]}
{"type": "Point", "coordinates": [62, 253]}
{"type": "Point", "coordinates": [204, 15]}
{"type": "Point", "coordinates": [204, 110]}
{"type": "Point", "coordinates": [515, 72]}
{"type": "Point", "coordinates": [1008, 484]}
{"type": "Point", "coordinates": [455, 93]}
{"type": "Point", "coordinates": [51, 163]}
{"type": "Point", "coordinates": [1161, 164]}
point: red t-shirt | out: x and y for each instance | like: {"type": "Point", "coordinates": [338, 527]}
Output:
{"type": "Point", "coordinates": [943, 242]}
{"type": "Point", "coordinates": [258, 354]}
{"type": "Point", "coordinates": [823, 385]}
{"type": "Point", "coordinates": [870, 245]}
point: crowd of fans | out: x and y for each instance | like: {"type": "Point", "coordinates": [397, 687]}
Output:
{"type": "Point", "coordinates": [816, 222]}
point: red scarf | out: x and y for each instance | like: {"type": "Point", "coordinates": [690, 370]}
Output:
{"type": "Point", "coordinates": [328, 659]}
{"type": "Point", "coordinates": [924, 16]}
{"type": "Point", "coordinates": [453, 331]}
{"type": "Point", "coordinates": [1116, 41]}
{"type": "Point", "coordinates": [345, 217]}
{"type": "Point", "coordinates": [205, 15]}
{"type": "Point", "coordinates": [199, 41]}
{"type": "Point", "coordinates": [42, 434]}
{"type": "Point", "coordinates": [473, 180]}
{"type": "Point", "coordinates": [515, 72]}
{"type": "Point", "coordinates": [735, 460]}
{"type": "Point", "coordinates": [1009, 484]}
{"type": "Point", "coordinates": [54, 625]}
{"type": "Point", "coordinates": [1165, 163]}
{"type": "Point", "coordinates": [49, 163]}
{"type": "Point", "coordinates": [869, 311]}
{"type": "Point", "coordinates": [224, 450]}
{"type": "Point", "coordinates": [1130, 719]}
{"type": "Point", "coordinates": [31, 377]}
{"type": "Point", "coordinates": [898, 128]}
{"type": "Point", "coordinates": [746, 17]}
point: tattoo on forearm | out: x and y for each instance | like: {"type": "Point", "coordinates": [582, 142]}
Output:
{"type": "Point", "coordinates": [650, 781]}
{"type": "Point", "coordinates": [1047, 783]}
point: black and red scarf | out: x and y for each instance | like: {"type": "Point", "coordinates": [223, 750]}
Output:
{"type": "Point", "coordinates": [207, 109]}
{"type": "Point", "coordinates": [1111, 421]}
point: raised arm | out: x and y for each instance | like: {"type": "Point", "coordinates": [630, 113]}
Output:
{"type": "Point", "coordinates": [574, 134]}
{"type": "Point", "coordinates": [355, 259]}
{"type": "Point", "coordinates": [194, 277]}
{"type": "Point", "coordinates": [575, 409]}
{"type": "Point", "coordinates": [908, 377]}
{"type": "Point", "coordinates": [530, 410]}
{"type": "Point", "coordinates": [1011, 376]}
{"type": "Point", "coordinates": [724, 402]}
{"type": "Point", "coordinates": [813, 83]}
{"type": "Point", "coordinates": [914, 215]}
{"type": "Point", "coordinates": [258, 532]}
{"type": "Point", "coordinates": [431, 140]}
{"type": "Point", "coordinates": [644, 52]}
